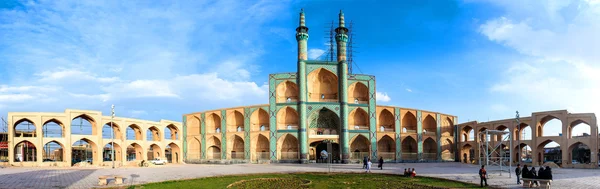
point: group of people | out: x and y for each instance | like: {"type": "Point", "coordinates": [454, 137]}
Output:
{"type": "Point", "coordinates": [367, 164]}
{"type": "Point", "coordinates": [410, 172]}
{"type": "Point", "coordinates": [526, 173]}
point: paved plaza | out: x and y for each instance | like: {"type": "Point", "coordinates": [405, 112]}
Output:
{"type": "Point", "coordinates": [20, 177]}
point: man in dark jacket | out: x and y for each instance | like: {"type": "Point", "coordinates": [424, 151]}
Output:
{"type": "Point", "coordinates": [365, 162]}
{"type": "Point", "coordinates": [483, 175]}
{"type": "Point", "coordinates": [518, 173]}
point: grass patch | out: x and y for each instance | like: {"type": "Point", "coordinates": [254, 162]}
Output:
{"type": "Point", "coordinates": [309, 180]}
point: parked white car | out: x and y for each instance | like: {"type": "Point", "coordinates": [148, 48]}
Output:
{"type": "Point", "coordinates": [158, 161]}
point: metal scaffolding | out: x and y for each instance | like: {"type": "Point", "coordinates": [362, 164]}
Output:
{"type": "Point", "coordinates": [495, 158]}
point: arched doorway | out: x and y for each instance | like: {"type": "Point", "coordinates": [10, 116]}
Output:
{"type": "Point", "coordinates": [447, 150]}
{"type": "Point", "coordinates": [237, 149]}
{"type": "Point", "coordinates": [25, 151]}
{"type": "Point", "coordinates": [194, 152]}
{"type": "Point", "coordinates": [409, 148]}
{"type": "Point", "coordinates": [172, 153]}
{"type": "Point", "coordinates": [25, 128]}
{"type": "Point", "coordinates": [549, 151]}
{"type": "Point", "coordinates": [107, 152]}
{"type": "Point", "coordinates": [154, 152]}
{"type": "Point", "coordinates": [134, 152]}
{"type": "Point", "coordinates": [214, 148]}
{"type": "Point", "coordinates": [54, 152]}
{"type": "Point", "coordinates": [359, 147]}
{"type": "Point", "coordinates": [333, 152]}
{"type": "Point", "coordinates": [580, 153]}
{"type": "Point", "coordinates": [467, 152]}
{"type": "Point", "coordinates": [289, 147]}
{"type": "Point", "coordinates": [386, 148]}
{"type": "Point", "coordinates": [324, 122]}
{"type": "Point", "coordinates": [133, 132]}
{"type": "Point", "coordinates": [429, 149]}
{"type": "Point", "coordinates": [262, 148]}
{"type": "Point", "coordinates": [83, 151]}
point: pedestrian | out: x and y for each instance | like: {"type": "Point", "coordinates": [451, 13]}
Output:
{"type": "Point", "coordinates": [518, 173]}
{"type": "Point", "coordinates": [380, 163]}
{"type": "Point", "coordinates": [483, 176]}
{"type": "Point", "coordinates": [365, 162]}
{"type": "Point", "coordinates": [368, 165]}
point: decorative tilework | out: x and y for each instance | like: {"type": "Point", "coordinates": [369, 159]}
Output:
{"type": "Point", "coordinates": [332, 107]}
{"type": "Point", "coordinates": [223, 134]}
{"type": "Point", "coordinates": [438, 136]}
{"type": "Point", "coordinates": [203, 135]}
{"type": "Point", "coordinates": [419, 135]}
{"type": "Point", "coordinates": [330, 67]}
{"type": "Point", "coordinates": [247, 142]}
{"type": "Point", "coordinates": [397, 126]}
{"type": "Point", "coordinates": [185, 147]}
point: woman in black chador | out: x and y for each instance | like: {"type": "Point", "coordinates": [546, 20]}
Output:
{"type": "Point", "coordinates": [380, 163]}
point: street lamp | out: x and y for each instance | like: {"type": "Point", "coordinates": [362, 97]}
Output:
{"type": "Point", "coordinates": [519, 137]}
{"type": "Point", "coordinates": [112, 136]}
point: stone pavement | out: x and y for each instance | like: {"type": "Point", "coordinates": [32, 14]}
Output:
{"type": "Point", "coordinates": [37, 177]}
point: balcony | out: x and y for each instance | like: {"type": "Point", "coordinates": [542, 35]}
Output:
{"type": "Point", "coordinates": [260, 128]}
{"type": "Point", "coordinates": [288, 127]}
{"type": "Point", "coordinates": [359, 155]}
{"type": "Point", "coordinates": [430, 156]}
{"type": "Point", "coordinates": [287, 99]}
{"type": "Point", "coordinates": [237, 155]}
{"type": "Point", "coordinates": [359, 101]}
{"type": "Point", "coordinates": [387, 155]}
{"type": "Point", "coordinates": [409, 131]}
{"type": "Point", "coordinates": [323, 133]}
{"type": "Point", "coordinates": [429, 133]}
{"type": "Point", "coordinates": [385, 129]}
{"type": "Point", "coordinates": [360, 127]}
{"type": "Point", "coordinates": [262, 155]}
{"type": "Point", "coordinates": [409, 156]}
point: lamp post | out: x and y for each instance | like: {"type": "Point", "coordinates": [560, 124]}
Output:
{"type": "Point", "coordinates": [519, 137]}
{"type": "Point", "coordinates": [112, 136]}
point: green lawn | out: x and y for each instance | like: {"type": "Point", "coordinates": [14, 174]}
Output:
{"type": "Point", "coordinates": [310, 180]}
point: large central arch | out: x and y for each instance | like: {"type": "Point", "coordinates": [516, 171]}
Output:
{"type": "Point", "coordinates": [324, 122]}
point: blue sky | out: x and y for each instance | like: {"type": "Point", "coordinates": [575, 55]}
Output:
{"type": "Point", "coordinates": [478, 60]}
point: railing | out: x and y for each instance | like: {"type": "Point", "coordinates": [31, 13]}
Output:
{"type": "Point", "coordinates": [448, 156]}
{"type": "Point", "coordinates": [359, 102]}
{"type": "Point", "coordinates": [409, 131]}
{"type": "Point", "coordinates": [262, 155]}
{"type": "Point", "coordinates": [287, 99]}
{"type": "Point", "coordinates": [409, 156]}
{"type": "Point", "coordinates": [359, 155]}
{"type": "Point", "coordinates": [430, 156]}
{"type": "Point", "coordinates": [323, 132]}
{"type": "Point", "coordinates": [429, 133]}
{"type": "Point", "coordinates": [289, 155]}
{"type": "Point", "coordinates": [387, 155]}
{"type": "Point", "coordinates": [237, 155]}
{"type": "Point", "coordinates": [385, 129]}
{"type": "Point", "coordinates": [214, 155]}
{"type": "Point", "coordinates": [288, 127]}
{"type": "Point", "coordinates": [259, 128]}
{"type": "Point", "coordinates": [360, 127]}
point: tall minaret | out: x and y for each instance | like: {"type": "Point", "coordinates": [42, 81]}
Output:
{"type": "Point", "coordinates": [341, 38]}
{"type": "Point", "coordinates": [302, 38]}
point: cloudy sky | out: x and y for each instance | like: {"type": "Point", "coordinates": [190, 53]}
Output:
{"type": "Point", "coordinates": [479, 60]}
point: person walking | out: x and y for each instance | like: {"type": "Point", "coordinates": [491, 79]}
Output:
{"type": "Point", "coordinates": [365, 162]}
{"type": "Point", "coordinates": [369, 165]}
{"type": "Point", "coordinates": [518, 173]}
{"type": "Point", "coordinates": [483, 176]}
{"type": "Point", "coordinates": [380, 163]}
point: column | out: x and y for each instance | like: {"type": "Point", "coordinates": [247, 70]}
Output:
{"type": "Point", "coordinates": [419, 136]}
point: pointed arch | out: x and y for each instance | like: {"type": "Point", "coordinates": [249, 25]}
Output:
{"type": "Point", "coordinates": [579, 152]}
{"type": "Point", "coordinates": [115, 130]}
{"type": "Point", "coordinates": [409, 123]}
{"type": "Point", "coordinates": [54, 152]}
{"type": "Point", "coordinates": [173, 155]}
{"type": "Point", "coordinates": [324, 122]}
{"type": "Point", "coordinates": [409, 148]}
{"type": "Point", "coordinates": [134, 152]}
{"type": "Point", "coordinates": [287, 118]}
{"type": "Point", "coordinates": [358, 93]}
{"type": "Point", "coordinates": [467, 134]}
{"type": "Point", "coordinates": [213, 123]}
{"type": "Point", "coordinates": [288, 147]}
{"type": "Point", "coordinates": [547, 123]}
{"type": "Point", "coordinates": [386, 121]}
{"type": "Point", "coordinates": [213, 148]}
{"type": "Point", "coordinates": [235, 121]}
{"type": "Point", "coordinates": [107, 152]}
{"type": "Point", "coordinates": [447, 149]}
{"type": "Point", "coordinates": [193, 125]}
{"type": "Point", "coordinates": [548, 150]}
{"type": "Point", "coordinates": [579, 128]}
{"type": "Point", "coordinates": [83, 125]}
{"type": "Point", "coordinates": [25, 128]}
{"type": "Point", "coordinates": [322, 86]}
{"type": "Point", "coordinates": [134, 132]}
{"type": "Point", "coordinates": [467, 153]}
{"type": "Point", "coordinates": [171, 132]}
{"type": "Point", "coordinates": [287, 91]}
{"type": "Point", "coordinates": [53, 128]}
{"type": "Point", "coordinates": [447, 127]}
{"type": "Point", "coordinates": [84, 150]}
{"type": "Point", "coordinates": [25, 151]}
{"type": "Point", "coordinates": [386, 147]}
{"type": "Point", "coordinates": [429, 149]}
{"type": "Point", "coordinates": [261, 148]}
{"type": "Point", "coordinates": [194, 149]}
{"type": "Point", "coordinates": [358, 119]}
{"type": "Point", "coordinates": [359, 147]}
{"type": "Point", "coordinates": [153, 134]}
{"type": "Point", "coordinates": [259, 121]}
{"type": "Point", "coordinates": [154, 151]}
{"type": "Point", "coordinates": [429, 126]}
{"type": "Point", "coordinates": [237, 147]}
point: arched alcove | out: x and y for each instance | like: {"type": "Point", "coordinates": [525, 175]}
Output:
{"type": "Point", "coordinates": [409, 123]}
{"type": "Point", "coordinates": [134, 132]}
{"type": "Point", "coordinates": [429, 126]}
{"type": "Point", "coordinates": [194, 151]}
{"type": "Point", "coordinates": [429, 149]}
{"type": "Point", "coordinates": [259, 121]}
{"type": "Point", "coordinates": [322, 86]}
{"type": "Point", "coordinates": [261, 148]}
{"type": "Point", "coordinates": [358, 93]}
{"type": "Point", "coordinates": [359, 147]}
{"type": "Point", "coordinates": [235, 121]}
{"type": "Point", "coordinates": [25, 128]}
{"type": "Point", "coordinates": [549, 126]}
{"type": "Point", "coordinates": [386, 121]}
{"type": "Point", "coordinates": [54, 152]}
{"type": "Point", "coordinates": [358, 119]}
{"type": "Point", "coordinates": [83, 125]}
{"type": "Point", "coordinates": [409, 148]}
{"type": "Point", "coordinates": [213, 123]}
{"type": "Point", "coordinates": [386, 147]}
{"type": "Point", "coordinates": [289, 148]}
{"type": "Point", "coordinates": [287, 92]}
{"type": "Point", "coordinates": [287, 118]}
{"type": "Point", "coordinates": [134, 152]}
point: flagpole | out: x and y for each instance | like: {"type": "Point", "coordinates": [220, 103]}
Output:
{"type": "Point", "coordinates": [112, 136]}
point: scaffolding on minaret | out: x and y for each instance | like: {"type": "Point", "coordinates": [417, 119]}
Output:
{"type": "Point", "coordinates": [330, 54]}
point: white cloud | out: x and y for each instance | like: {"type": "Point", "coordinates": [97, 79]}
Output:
{"type": "Point", "coordinates": [315, 53]}
{"type": "Point", "coordinates": [409, 90]}
{"type": "Point", "coordinates": [382, 97]}
{"type": "Point", "coordinates": [559, 42]}
{"type": "Point", "coordinates": [74, 55]}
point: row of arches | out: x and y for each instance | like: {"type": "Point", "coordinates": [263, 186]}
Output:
{"type": "Point", "coordinates": [546, 151]}
{"type": "Point", "coordinates": [548, 126]}
{"type": "Point", "coordinates": [288, 118]}
{"type": "Point", "coordinates": [85, 150]}
{"type": "Point", "coordinates": [322, 86]}
{"type": "Point", "coordinates": [84, 125]}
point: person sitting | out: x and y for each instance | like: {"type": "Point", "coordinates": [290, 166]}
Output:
{"type": "Point", "coordinates": [533, 174]}
{"type": "Point", "coordinates": [525, 172]}
{"type": "Point", "coordinates": [541, 173]}
{"type": "Point", "coordinates": [405, 173]}
{"type": "Point", "coordinates": [413, 173]}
